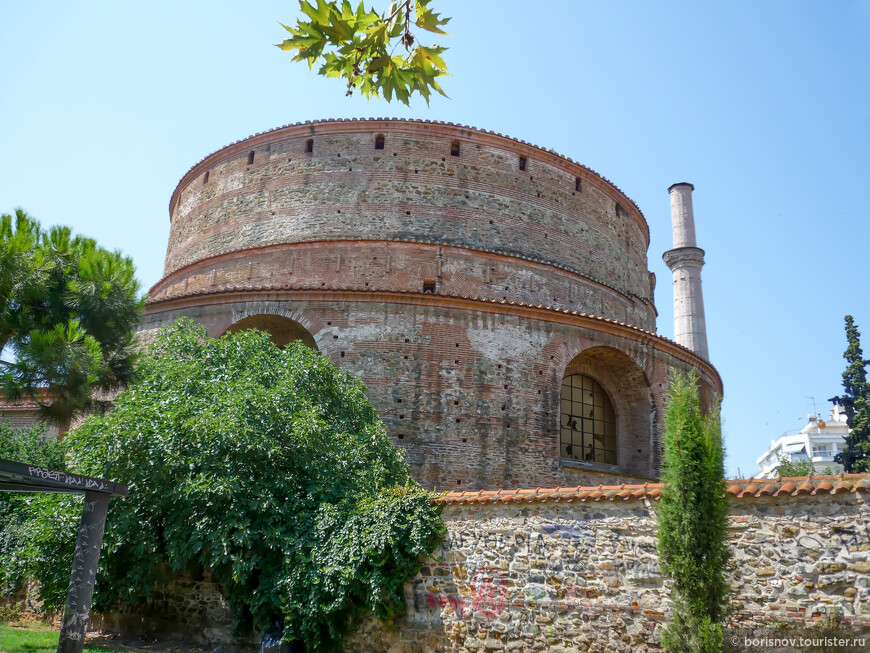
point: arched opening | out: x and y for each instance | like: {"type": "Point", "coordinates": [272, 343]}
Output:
{"type": "Point", "coordinates": [587, 421]}
{"type": "Point", "coordinates": [282, 330]}
{"type": "Point", "coordinates": [606, 416]}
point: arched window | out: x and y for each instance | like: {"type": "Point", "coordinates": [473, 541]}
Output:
{"type": "Point", "coordinates": [587, 420]}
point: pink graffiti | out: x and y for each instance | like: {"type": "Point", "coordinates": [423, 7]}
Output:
{"type": "Point", "coordinates": [489, 592]}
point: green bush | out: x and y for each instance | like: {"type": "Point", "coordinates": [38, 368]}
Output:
{"type": "Point", "coordinates": [28, 446]}
{"type": "Point", "coordinates": [268, 467]}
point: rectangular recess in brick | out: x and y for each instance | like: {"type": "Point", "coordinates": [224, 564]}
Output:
{"type": "Point", "coordinates": [578, 184]}
{"type": "Point", "coordinates": [454, 148]}
{"type": "Point", "coordinates": [309, 146]}
{"type": "Point", "coordinates": [250, 158]}
{"type": "Point", "coordinates": [522, 163]}
{"type": "Point", "coordinates": [429, 286]}
{"type": "Point", "coordinates": [379, 142]}
{"type": "Point", "coordinates": [205, 178]}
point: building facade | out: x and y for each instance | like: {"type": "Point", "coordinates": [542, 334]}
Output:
{"type": "Point", "coordinates": [493, 296]}
{"type": "Point", "coordinates": [817, 442]}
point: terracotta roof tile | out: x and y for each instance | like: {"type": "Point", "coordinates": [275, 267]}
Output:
{"type": "Point", "coordinates": [737, 488]}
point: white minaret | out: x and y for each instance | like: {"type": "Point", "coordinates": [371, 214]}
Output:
{"type": "Point", "coordinates": [686, 260]}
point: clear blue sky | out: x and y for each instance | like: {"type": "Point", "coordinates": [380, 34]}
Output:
{"type": "Point", "coordinates": [764, 106]}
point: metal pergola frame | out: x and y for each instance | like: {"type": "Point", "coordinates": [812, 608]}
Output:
{"type": "Point", "coordinates": [20, 477]}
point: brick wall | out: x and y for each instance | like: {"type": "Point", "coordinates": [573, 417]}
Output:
{"type": "Point", "coordinates": [472, 395]}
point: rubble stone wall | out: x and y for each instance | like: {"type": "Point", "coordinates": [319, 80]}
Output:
{"type": "Point", "coordinates": [584, 575]}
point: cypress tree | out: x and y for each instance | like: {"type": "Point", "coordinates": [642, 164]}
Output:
{"type": "Point", "coordinates": [856, 402]}
{"type": "Point", "coordinates": [693, 522]}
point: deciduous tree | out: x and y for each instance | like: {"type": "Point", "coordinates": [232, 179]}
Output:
{"type": "Point", "coordinates": [360, 46]}
{"type": "Point", "coordinates": [267, 467]}
{"type": "Point", "coordinates": [856, 403]}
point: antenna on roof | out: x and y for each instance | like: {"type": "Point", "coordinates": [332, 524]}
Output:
{"type": "Point", "coordinates": [813, 399]}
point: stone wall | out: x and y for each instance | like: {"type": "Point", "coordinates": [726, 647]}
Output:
{"type": "Point", "coordinates": [570, 570]}
{"type": "Point", "coordinates": [577, 570]}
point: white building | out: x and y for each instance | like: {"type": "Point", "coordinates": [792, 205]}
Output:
{"type": "Point", "coordinates": [819, 441]}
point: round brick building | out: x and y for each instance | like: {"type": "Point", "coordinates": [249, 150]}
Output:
{"type": "Point", "coordinates": [493, 296]}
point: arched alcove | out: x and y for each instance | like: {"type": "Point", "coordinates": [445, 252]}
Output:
{"type": "Point", "coordinates": [606, 409]}
{"type": "Point", "coordinates": [281, 329]}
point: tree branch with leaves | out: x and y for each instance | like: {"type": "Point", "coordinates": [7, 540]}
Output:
{"type": "Point", "coordinates": [360, 47]}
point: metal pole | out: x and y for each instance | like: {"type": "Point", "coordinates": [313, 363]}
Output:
{"type": "Point", "coordinates": [84, 572]}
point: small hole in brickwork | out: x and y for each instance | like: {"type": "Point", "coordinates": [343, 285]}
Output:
{"type": "Point", "coordinates": [504, 406]}
{"type": "Point", "coordinates": [407, 340]}
{"type": "Point", "coordinates": [443, 159]}
{"type": "Point", "coordinates": [539, 392]}
{"type": "Point", "coordinates": [540, 372]}
{"type": "Point", "coordinates": [465, 439]}
{"type": "Point", "coordinates": [339, 211]}
{"type": "Point", "coordinates": [250, 158]}
{"type": "Point", "coordinates": [531, 178]}
{"type": "Point", "coordinates": [401, 417]}
{"type": "Point", "coordinates": [379, 142]}
{"type": "Point", "coordinates": [398, 401]}
{"type": "Point", "coordinates": [401, 436]}
{"type": "Point", "coordinates": [407, 213]}
{"type": "Point", "coordinates": [458, 482]}
{"type": "Point", "coordinates": [454, 148]}
{"type": "Point", "coordinates": [456, 362]}
{"type": "Point", "coordinates": [329, 324]}
{"type": "Point", "coordinates": [367, 284]}
{"type": "Point", "coordinates": [505, 387]}
{"type": "Point", "coordinates": [415, 171]}
{"type": "Point", "coordinates": [458, 420]}
{"type": "Point", "coordinates": [552, 357]}
{"type": "Point", "coordinates": [522, 163]}
{"type": "Point", "coordinates": [342, 354]}
{"type": "Point", "coordinates": [457, 344]}
{"type": "Point", "coordinates": [429, 286]}
{"type": "Point", "coordinates": [376, 258]}
{"type": "Point", "coordinates": [539, 194]}
{"type": "Point", "coordinates": [456, 402]}
{"type": "Point", "coordinates": [338, 155]}
{"type": "Point", "coordinates": [499, 367]}
{"type": "Point", "coordinates": [638, 450]}
{"type": "Point", "coordinates": [205, 178]}
{"type": "Point", "coordinates": [394, 154]}
{"type": "Point", "coordinates": [508, 425]}
{"type": "Point", "coordinates": [335, 337]}
{"type": "Point", "coordinates": [289, 160]}
{"type": "Point", "coordinates": [492, 222]}
{"type": "Point", "coordinates": [406, 358]}
{"type": "Point", "coordinates": [309, 146]}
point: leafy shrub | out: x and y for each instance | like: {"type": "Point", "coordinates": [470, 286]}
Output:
{"type": "Point", "coordinates": [270, 468]}
{"type": "Point", "coordinates": [28, 446]}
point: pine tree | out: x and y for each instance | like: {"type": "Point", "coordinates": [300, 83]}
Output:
{"type": "Point", "coordinates": [856, 402]}
{"type": "Point", "coordinates": [693, 522]}
{"type": "Point", "coordinates": [67, 312]}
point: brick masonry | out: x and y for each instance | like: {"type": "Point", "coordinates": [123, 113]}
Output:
{"type": "Point", "coordinates": [460, 289]}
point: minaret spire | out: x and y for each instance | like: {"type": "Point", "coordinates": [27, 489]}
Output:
{"type": "Point", "coordinates": [686, 260]}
